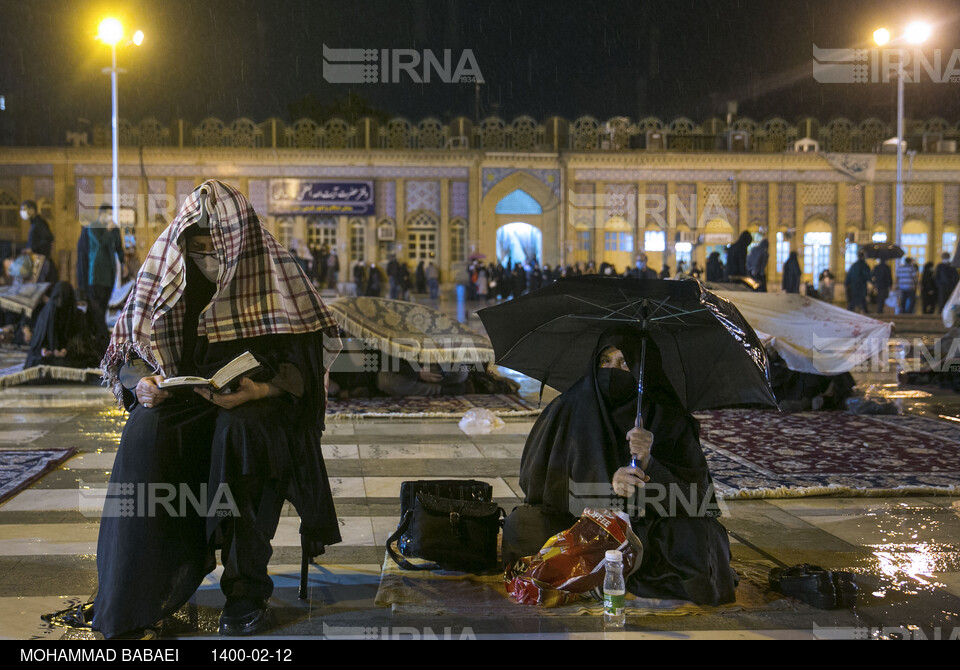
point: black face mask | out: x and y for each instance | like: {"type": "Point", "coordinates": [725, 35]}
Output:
{"type": "Point", "coordinates": [616, 386]}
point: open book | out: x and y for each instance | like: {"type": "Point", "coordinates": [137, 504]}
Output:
{"type": "Point", "coordinates": [224, 377]}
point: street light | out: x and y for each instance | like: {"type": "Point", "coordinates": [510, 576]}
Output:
{"type": "Point", "coordinates": [916, 32]}
{"type": "Point", "coordinates": [110, 32]}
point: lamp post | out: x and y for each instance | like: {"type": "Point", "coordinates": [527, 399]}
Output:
{"type": "Point", "coordinates": [110, 32]}
{"type": "Point", "coordinates": [915, 33]}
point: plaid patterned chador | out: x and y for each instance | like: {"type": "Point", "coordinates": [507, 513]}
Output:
{"type": "Point", "coordinates": [261, 289]}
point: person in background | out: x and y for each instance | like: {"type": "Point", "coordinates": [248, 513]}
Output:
{"type": "Point", "coordinates": [432, 273]}
{"type": "Point", "coordinates": [99, 254]}
{"type": "Point", "coordinates": [858, 276]}
{"type": "Point", "coordinates": [421, 278]}
{"type": "Point", "coordinates": [946, 280]}
{"type": "Point", "coordinates": [757, 263]}
{"type": "Point", "coordinates": [792, 274]}
{"type": "Point", "coordinates": [642, 270]}
{"type": "Point", "coordinates": [882, 280]}
{"type": "Point", "coordinates": [907, 286]}
{"type": "Point", "coordinates": [714, 267]}
{"type": "Point", "coordinates": [333, 269]}
{"type": "Point", "coordinates": [39, 239]}
{"type": "Point", "coordinates": [928, 289]}
{"type": "Point", "coordinates": [665, 272]}
{"type": "Point", "coordinates": [374, 282]}
{"type": "Point", "coordinates": [359, 277]}
{"type": "Point", "coordinates": [827, 285]}
{"type": "Point", "coordinates": [737, 257]}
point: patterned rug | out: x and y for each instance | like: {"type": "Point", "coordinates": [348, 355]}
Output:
{"type": "Point", "coordinates": [19, 469]}
{"type": "Point", "coordinates": [444, 407]}
{"type": "Point", "coordinates": [47, 374]}
{"type": "Point", "coordinates": [767, 454]}
{"type": "Point", "coordinates": [438, 592]}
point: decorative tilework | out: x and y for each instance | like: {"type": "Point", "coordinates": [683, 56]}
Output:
{"type": "Point", "coordinates": [423, 195]}
{"type": "Point", "coordinates": [918, 194]}
{"type": "Point", "coordinates": [492, 176]}
{"type": "Point", "coordinates": [915, 212]}
{"type": "Point", "coordinates": [43, 188]}
{"type": "Point", "coordinates": [951, 203]}
{"type": "Point", "coordinates": [259, 196]}
{"type": "Point", "coordinates": [855, 204]}
{"type": "Point", "coordinates": [582, 208]}
{"type": "Point", "coordinates": [621, 201]}
{"type": "Point", "coordinates": [11, 186]}
{"type": "Point", "coordinates": [882, 204]}
{"type": "Point", "coordinates": [386, 199]}
{"type": "Point", "coordinates": [184, 188]}
{"type": "Point", "coordinates": [27, 170]}
{"type": "Point", "coordinates": [826, 212]}
{"type": "Point", "coordinates": [654, 204]}
{"type": "Point", "coordinates": [268, 171]}
{"type": "Point", "coordinates": [757, 204]}
{"type": "Point", "coordinates": [459, 199]}
{"type": "Point", "coordinates": [724, 192]}
{"type": "Point", "coordinates": [786, 205]}
{"type": "Point", "coordinates": [721, 196]}
{"type": "Point", "coordinates": [818, 194]}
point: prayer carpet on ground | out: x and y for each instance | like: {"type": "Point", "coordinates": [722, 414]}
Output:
{"type": "Point", "coordinates": [456, 593]}
{"type": "Point", "coordinates": [442, 407]}
{"type": "Point", "coordinates": [768, 454]}
{"type": "Point", "coordinates": [20, 468]}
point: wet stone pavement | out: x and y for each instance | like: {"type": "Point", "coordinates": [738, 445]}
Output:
{"type": "Point", "coordinates": [905, 551]}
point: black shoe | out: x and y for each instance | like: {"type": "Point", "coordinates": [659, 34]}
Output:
{"type": "Point", "coordinates": [809, 583]}
{"type": "Point", "coordinates": [243, 616]}
{"type": "Point", "coordinates": [847, 589]}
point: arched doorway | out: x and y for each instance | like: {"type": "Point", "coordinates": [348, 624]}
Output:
{"type": "Point", "coordinates": [519, 242]}
{"type": "Point", "coordinates": [817, 243]}
{"type": "Point", "coordinates": [914, 240]}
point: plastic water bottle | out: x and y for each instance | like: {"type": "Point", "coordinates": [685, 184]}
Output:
{"type": "Point", "coordinates": [614, 591]}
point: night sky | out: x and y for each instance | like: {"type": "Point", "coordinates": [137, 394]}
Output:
{"type": "Point", "coordinates": [259, 58]}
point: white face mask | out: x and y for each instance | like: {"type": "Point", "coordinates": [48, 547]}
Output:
{"type": "Point", "coordinates": [24, 215]}
{"type": "Point", "coordinates": [209, 265]}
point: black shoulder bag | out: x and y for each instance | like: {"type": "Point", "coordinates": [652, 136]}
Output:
{"type": "Point", "coordinates": [451, 522]}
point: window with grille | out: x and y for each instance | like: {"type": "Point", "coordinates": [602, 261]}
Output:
{"type": "Point", "coordinates": [850, 254]}
{"type": "Point", "coordinates": [583, 241]}
{"type": "Point", "coordinates": [816, 254]}
{"type": "Point", "coordinates": [915, 246]}
{"type": "Point", "coordinates": [949, 243]}
{"type": "Point", "coordinates": [783, 251]}
{"type": "Point", "coordinates": [9, 211]}
{"type": "Point", "coordinates": [421, 246]}
{"type": "Point", "coordinates": [322, 231]}
{"type": "Point", "coordinates": [358, 239]}
{"type": "Point", "coordinates": [617, 241]}
{"type": "Point", "coordinates": [285, 232]}
{"type": "Point", "coordinates": [421, 236]}
{"type": "Point", "coordinates": [654, 240]}
{"type": "Point", "coordinates": [458, 241]}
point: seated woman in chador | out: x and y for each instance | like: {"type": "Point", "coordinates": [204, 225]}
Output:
{"type": "Point", "coordinates": [578, 454]}
{"type": "Point", "coordinates": [216, 464]}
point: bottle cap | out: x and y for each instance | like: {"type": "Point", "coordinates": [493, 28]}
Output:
{"type": "Point", "coordinates": [614, 555]}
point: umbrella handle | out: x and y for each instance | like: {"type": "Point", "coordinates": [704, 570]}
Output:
{"type": "Point", "coordinates": [643, 356]}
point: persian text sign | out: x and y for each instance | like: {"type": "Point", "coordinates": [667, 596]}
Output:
{"type": "Point", "coordinates": [309, 196]}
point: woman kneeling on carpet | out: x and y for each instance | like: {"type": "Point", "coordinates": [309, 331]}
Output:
{"type": "Point", "coordinates": [198, 469]}
{"type": "Point", "coordinates": [580, 447]}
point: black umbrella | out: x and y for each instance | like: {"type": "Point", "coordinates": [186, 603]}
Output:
{"type": "Point", "coordinates": [709, 352]}
{"type": "Point", "coordinates": [882, 250]}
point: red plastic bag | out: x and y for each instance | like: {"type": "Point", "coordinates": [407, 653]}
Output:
{"type": "Point", "coordinates": [571, 563]}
